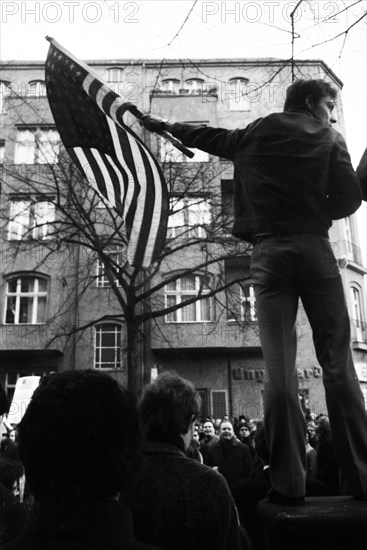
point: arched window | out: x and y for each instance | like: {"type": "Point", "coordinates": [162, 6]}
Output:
{"type": "Point", "coordinates": [238, 98]}
{"type": "Point", "coordinates": [183, 289]}
{"type": "Point", "coordinates": [194, 85]}
{"type": "Point", "coordinates": [108, 346]}
{"type": "Point", "coordinates": [170, 85]}
{"type": "Point", "coordinates": [4, 91]}
{"type": "Point", "coordinates": [36, 88]}
{"type": "Point", "coordinates": [26, 300]}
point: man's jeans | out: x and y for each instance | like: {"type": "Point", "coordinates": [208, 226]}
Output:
{"type": "Point", "coordinates": [284, 269]}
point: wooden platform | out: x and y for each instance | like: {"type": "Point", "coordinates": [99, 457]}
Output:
{"type": "Point", "coordinates": [324, 523]}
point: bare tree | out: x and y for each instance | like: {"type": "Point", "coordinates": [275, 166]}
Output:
{"type": "Point", "coordinates": [57, 215]}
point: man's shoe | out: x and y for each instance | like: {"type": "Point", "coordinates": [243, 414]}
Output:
{"type": "Point", "coordinates": [277, 498]}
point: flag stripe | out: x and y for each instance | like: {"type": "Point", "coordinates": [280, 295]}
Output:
{"type": "Point", "coordinates": [129, 185]}
{"type": "Point", "coordinates": [84, 163]}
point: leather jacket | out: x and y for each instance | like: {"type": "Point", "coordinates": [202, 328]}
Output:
{"type": "Point", "coordinates": [292, 173]}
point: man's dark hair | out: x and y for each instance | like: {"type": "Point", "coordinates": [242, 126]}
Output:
{"type": "Point", "coordinates": [80, 437]}
{"type": "Point", "coordinates": [167, 407]}
{"type": "Point", "coordinates": [302, 88]}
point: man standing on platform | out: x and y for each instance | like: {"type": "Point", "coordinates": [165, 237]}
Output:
{"type": "Point", "coordinates": [293, 176]}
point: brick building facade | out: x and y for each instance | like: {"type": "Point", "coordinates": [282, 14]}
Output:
{"type": "Point", "coordinates": [213, 342]}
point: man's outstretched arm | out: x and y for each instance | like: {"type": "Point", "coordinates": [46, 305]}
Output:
{"type": "Point", "coordinates": [215, 141]}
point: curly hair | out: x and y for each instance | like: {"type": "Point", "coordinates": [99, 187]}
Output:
{"type": "Point", "coordinates": [168, 406]}
{"type": "Point", "coordinates": [80, 437]}
{"type": "Point", "coordinates": [302, 88]}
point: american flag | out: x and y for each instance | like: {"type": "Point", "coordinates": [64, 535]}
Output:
{"type": "Point", "coordinates": [115, 161]}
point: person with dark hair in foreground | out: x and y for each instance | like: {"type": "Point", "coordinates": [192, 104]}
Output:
{"type": "Point", "coordinates": [292, 177]}
{"type": "Point", "coordinates": [178, 503]}
{"type": "Point", "coordinates": [80, 443]}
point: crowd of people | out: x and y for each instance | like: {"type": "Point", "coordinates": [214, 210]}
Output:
{"type": "Point", "coordinates": [89, 467]}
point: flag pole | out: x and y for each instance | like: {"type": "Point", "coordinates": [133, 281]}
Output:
{"type": "Point", "coordinates": [127, 105]}
{"type": "Point", "coordinates": [139, 115]}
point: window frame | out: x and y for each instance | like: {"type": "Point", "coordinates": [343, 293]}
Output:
{"type": "Point", "coordinates": [178, 316]}
{"type": "Point", "coordinates": [37, 146]}
{"type": "Point", "coordinates": [189, 230]}
{"type": "Point", "coordinates": [195, 86]}
{"type": "Point", "coordinates": [101, 280]}
{"type": "Point", "coordinates": [115, 80]}
{"type": "Point", "coordinates": [36, 88]}
{"type": "Point", "coordinates": [237, 102]}
{"type": "Point", "coordinates": [32, 230]}
{"type": "Point", "coordinates": [248, 303]}
{"type": "Point", "coordinates": [358, 315]}
{"type": "Point", "coordinates": [98, 349]}
{"type": "Point", "coordinates": [170, 86]}
{"type": "Point", "coordinates": [19, 295]}
{"type": "Point", "coordinates": [219, 391]}
{"type": "Point", "coordinates": [5, 90]}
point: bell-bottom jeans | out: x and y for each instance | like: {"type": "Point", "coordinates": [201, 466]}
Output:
{"type": "Point", "coordinates": [284, 270]}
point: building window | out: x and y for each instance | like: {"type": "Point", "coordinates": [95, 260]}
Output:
{"type": "Point", "coordinates": [364, 392]}
{"type": "Point", "coordinates": [30, 219]}
{"type": "Point", "coordinates": [170, 86]}
{"type": "Point", "coordinates": [36, 88]}
{"type": "Point", "coordinates": [37, 146]}
{"type": "Point", "coordinates": [107, 346]}
{"type": "Point", "coordinates": [26, 301]}
{"type": "Point", "coordinates": [248, 303]}
{"type": "Point", "coordinates": [348, 237]}
{"type": "Point", "coordinates": [241, 303]}
{"type": "Point", "coordinates": [181, 290]}
{"type": "Point", "coordinates": [2, 151]}
{"type": "Point", "coordinates": [4, 91]}
{"type": "Point", "coordinates": [238, 94]}
{"type": "Point", "coordinates": [357, 314]}
{"type": "Point", "coordinates": [190, 217]}
{"type": "Point", "coordinates": [219, 403]}
{"type": "Point", "coordinates": [115, 78]}
{"type": "Point", "coordinates": [115, 255]}
{"type": "Point", "coordinates": [194, 85]}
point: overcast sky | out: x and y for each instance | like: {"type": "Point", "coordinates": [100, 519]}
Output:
{"type": "Point", "coordinates": [188, 29]}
